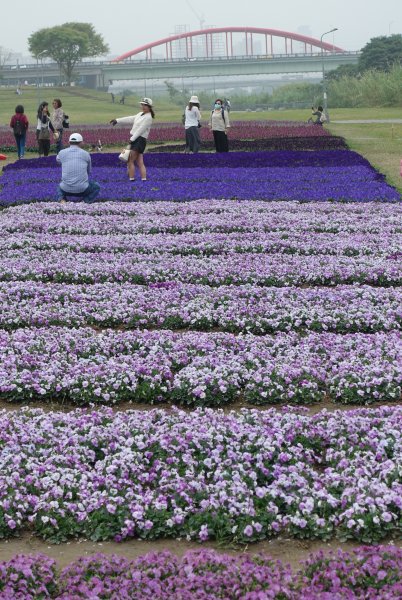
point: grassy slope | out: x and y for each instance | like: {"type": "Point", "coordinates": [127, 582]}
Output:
{"type": "Point", "coordinates": [380, 143]}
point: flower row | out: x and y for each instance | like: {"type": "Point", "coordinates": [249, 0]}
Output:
{"type": "Point", "coordinates": [258, 145]}
{"type": "Point", "coordinates": [363, 574]}
{"type": "Point", "coordinates": [246, 309]}
{"type": "Point", "coordinates": [328, 182]}
{"type": "Point", "coordinates": [208, 243]}
{"type": "Point", "coordinates": [203, 475]}
{"type": "Point", "coordinates": [355, 184]}
{"type": "Point", "coordinates": [239, 160]}
{"type": "Point", "coordinates": [166, 132]}
{"type": "Point", "coordinates": [290, 219]}
{"type": "Point", "coordinates": [82, 365]}
{"type": "Point", "coordinates": [279, 270]}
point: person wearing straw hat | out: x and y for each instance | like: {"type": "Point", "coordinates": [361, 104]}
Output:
{"type": "Point", "coordinates": [141, 126]}
{"type": "Point", "coordinates": [192, 117]}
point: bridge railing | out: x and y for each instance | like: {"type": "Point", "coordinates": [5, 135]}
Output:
{"type": "Point", "coordinates": [136, 61]}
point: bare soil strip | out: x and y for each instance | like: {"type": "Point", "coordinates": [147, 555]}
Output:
{"type": "Point", "coordinates": [286, 550]}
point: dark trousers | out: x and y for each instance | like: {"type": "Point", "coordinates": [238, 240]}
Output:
{"type": "Point", "coordinates": [221, 141]}
{"type": "Point", "coordinates": [193, 141]}
{"type": "Point", "coordinates": [20, 141]}
{"type": "Point", "coordinates": [44, 147]}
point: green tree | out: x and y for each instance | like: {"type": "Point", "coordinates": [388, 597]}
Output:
{"type": "Point", "coordinates": [343, 71]}
{"type": "Point", "coordinates": [381, 53]}
{"type": "Point", "coordinates": [67, 45]}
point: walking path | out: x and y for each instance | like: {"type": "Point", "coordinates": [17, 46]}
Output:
{"type": "Point", "coordinates": [361, 121]}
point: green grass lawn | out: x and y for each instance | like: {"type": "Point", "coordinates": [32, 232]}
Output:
{"type": "Point", "coordinates": [381, 143]}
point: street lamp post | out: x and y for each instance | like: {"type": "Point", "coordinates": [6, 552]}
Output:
{"type": "Point", "coordinates": [324, 83]}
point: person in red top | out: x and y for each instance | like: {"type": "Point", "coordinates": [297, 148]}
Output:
{"type": "Point", "coordinates": [19, 124]}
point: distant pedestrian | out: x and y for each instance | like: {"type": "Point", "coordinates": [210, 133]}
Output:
{"type": "Point", "coordinates": [141, 126]}
{"type": "Point", "coordinates": [226, 104]}
{"type": "Point", "coordinates": [192, 118]}
{"type": "Point", "coordinates": [76, 166]}
{"type": "Point", "coordinates": [43, 128]}
{"type": "Point", "coordinates": [112, 96]}
{"type": "Point", "coordinates": [57, 122]}
{"type": "Point", "coordinates": [319, 114]}
{"type": "Point", "coordinates": [219, 124]}
{"type": "Point", "coordinates": [19, 124]}
{"type": "Point", "coordinates": [122, 100]}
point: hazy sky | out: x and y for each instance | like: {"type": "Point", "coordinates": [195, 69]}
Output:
{"type": "Point", "coordinates": [126, 24]}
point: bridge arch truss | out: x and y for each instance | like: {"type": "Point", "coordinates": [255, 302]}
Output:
{"type": "Point", "coordinates": [218, 41]}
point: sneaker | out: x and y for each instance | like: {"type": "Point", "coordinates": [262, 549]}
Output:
{"type": "Point", "coordinates": [144, 179]}
{"type": "Point", "coordinates": [132, 178]}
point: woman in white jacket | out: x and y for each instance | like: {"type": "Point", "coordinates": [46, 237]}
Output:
{"type": "Point", "coordinates": [141, 126]}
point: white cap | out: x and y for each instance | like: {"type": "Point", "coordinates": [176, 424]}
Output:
{"type": "Point", "coordinates": [146, 101]}
{"type": "Point", "coordinates": [75, 137]}
{"type": "Point", "coordinates": [194, 100]}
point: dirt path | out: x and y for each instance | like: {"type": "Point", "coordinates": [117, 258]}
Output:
{"type": "Point", "coordinates": [286, 550]}
{"type": "Point", "coordinates": [312, 409]}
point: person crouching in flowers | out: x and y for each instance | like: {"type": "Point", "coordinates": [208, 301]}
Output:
{"type": "Point", "coordinates": [141, 126]}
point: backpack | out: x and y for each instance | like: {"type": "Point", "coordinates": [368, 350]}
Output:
{"type": "Point", "coordinates": [19, 127]}
{"type": "Point", "coordinates": [222, 113]}
{"type": "Point", "coordinates": [66, 122]}
{"type": "Point", "coordinates": [323, 118]}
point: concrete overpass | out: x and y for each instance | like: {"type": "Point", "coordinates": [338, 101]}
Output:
{"type": "Point", "coordinates": [99, 74]}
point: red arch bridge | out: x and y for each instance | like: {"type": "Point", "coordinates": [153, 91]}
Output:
{"type": "Point", "coordinates": [228, 51]}
{"type": "Point", "coordinates": [216, 52]}
{"type": "Point", "coordinates": [219, 41]}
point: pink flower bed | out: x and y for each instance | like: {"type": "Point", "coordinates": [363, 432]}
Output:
{"type": "Point", "coordinates": [168, 132]}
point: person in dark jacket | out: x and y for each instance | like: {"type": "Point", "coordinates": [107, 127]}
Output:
{"type": "Point", "coordinates": [19, 124]}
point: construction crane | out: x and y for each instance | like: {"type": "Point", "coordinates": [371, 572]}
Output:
{"type": "Point", "coordinates": [200, 18]}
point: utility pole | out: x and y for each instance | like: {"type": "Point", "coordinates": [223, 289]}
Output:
{"type": "Point", "coordinates": [324, 83]}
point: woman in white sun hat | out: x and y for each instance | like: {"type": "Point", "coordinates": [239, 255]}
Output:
{"type": "Point", "coordinates": [141, 126]}
{"type": "Point", "coordinates": [192, 117]}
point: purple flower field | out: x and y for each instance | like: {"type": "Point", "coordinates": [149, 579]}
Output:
{"type": "Point", "coordinates": [253, 278]}
{"type": "Point", "coordinates": [364, 574]}
{"type": "Point", "coordinates": [338, 175]}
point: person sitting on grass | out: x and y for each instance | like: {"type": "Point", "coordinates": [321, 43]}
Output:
{"type": "Point", "coordinates": [76, 168]}
{"type": "Point", "coordinates": [320, 114]}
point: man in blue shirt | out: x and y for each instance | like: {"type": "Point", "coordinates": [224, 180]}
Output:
{"type": "Point", "coordinates": [76, 168]}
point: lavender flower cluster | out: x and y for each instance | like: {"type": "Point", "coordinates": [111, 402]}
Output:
{"type": "Point", "coordinates": [228, 269]}
{"type": "Point", "coordinates": [236, 309]}
{"type": "Point", "coordinates": [240, 476]}
{"type": "Point", "coordinates": [201, 266]}
{"type": "Point", "coordinates": [324, 176]}
{"type": "Point", "coordinates": [290, 219]}
{"type": "Point", "coordinates": [364, 574]}
{"type": "Point", "coordinates": [82, 365]}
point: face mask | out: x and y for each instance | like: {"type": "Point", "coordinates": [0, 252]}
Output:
{"type": "Point", "coordinates": [217, 105]}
